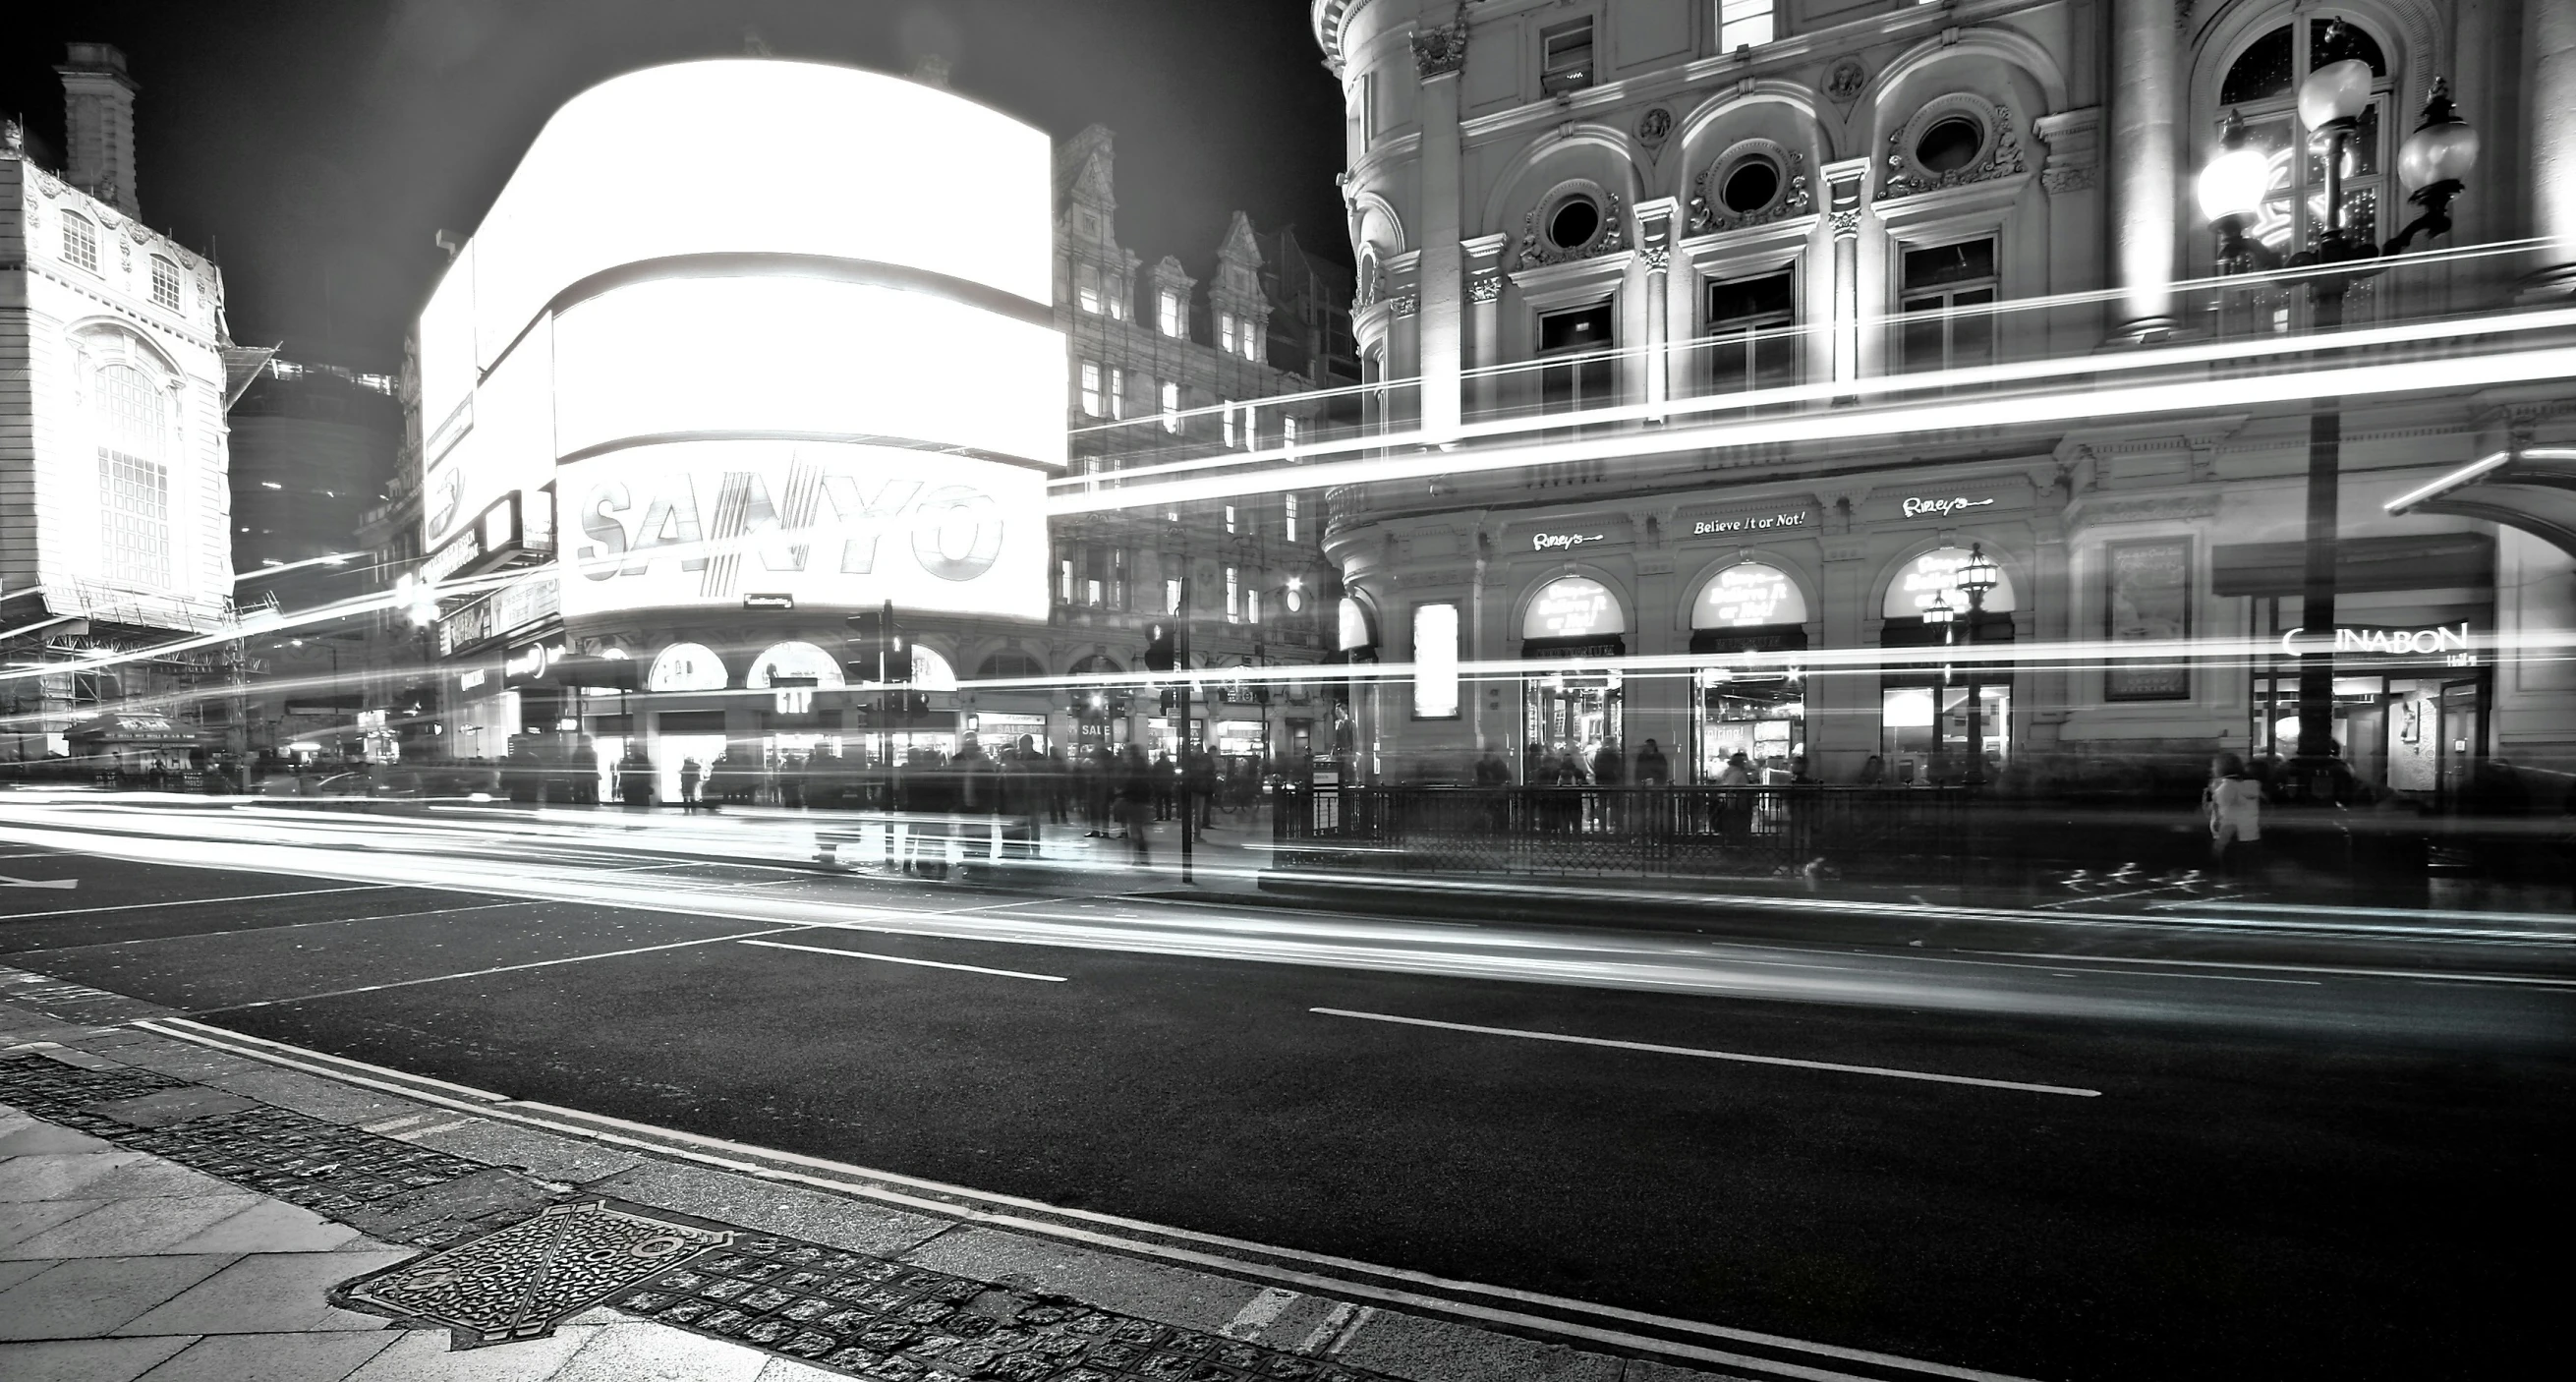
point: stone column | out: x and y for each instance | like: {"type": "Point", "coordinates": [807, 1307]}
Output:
{"type": "Point", "coordinates": [2549, 98]}
{"type": "Point", "coordinates": [2146, 185]}
{"type": "Point", "coordinates": [1481, 260]}
{"type": "Point", "coordinates": [1655, 220]}
{"type": "Point", "coordinates": [1438, 54]}
{"type": "Point", "coordinates": [1843, 187]}
{"type": "Point", "coordinates": [1843, 709]}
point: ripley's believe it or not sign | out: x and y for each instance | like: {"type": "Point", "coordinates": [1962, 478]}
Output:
{"type": "Point", "coordinates": [786, 392]}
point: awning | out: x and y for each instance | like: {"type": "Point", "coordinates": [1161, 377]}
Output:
{"type": "Point", "coordinates": [2533, 489]}
{"type": "Point", "coordinates": [118, 730]}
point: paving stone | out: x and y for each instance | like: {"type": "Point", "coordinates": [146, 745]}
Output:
{"type": "Point", "coordinates": [114, 1175]}
{"type": "Point", "coordinates": [438, 1215]}
{"type": "Point", "coordinates": [86, 1299]}
{"type": "Point", "coordinates": [789, 1370]}
{"type": "Point", "coordinates": [540, 1154]}
{"type": "Point", "coordinates": [19, 1222]}
{"type": "Point", "coordinates": [130, 1228]}
{"type": "Point", "coordinates": [1172, 1295]}
{"type": "Point", "coordinates": [270, 1226]}
{"type": "Point", "coordinates": [421, 1355]}
{"type": "Point", "coordinates": [1426, 1350]}
{"type": "Point", "coordinates": [11, 1273]}
{"type": "Point", "coordinates": [311, 1094]}
{"type": "Point", "coordinates": [635, 1351]}
{"type": "Point", "coordinates": [170, 1106]}
{"type": "Point", "coordinates": [272, 1357]}
{"type": "Point", "coordinates": [85, 1360]}
{"type": "Point", "coordinates": [267, 1292]}
{"type": "Point", "coordinates": [752, 1203]}
{"type": "Point", "coordinates": [32, 1138]}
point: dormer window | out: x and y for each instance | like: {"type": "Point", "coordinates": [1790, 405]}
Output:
{"type": "Point", "coordinates": [1167, 313]}
{"type": "Point", "coordinates": [80, 242]}
{"type": "Point", "coordinates": [165, 282]}
{"type": "Point", "coordinates": [1565, 62]}
{"type": "Point", "coordinates": [1086, 288]}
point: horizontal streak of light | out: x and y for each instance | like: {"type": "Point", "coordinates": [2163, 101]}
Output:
{"type": "Point", "coordinates": [2340, 381]}
{"type": "Point", "coordinates": [2082, 367]}
{"type": "Point", "coordinates": [1836, 1067]}
{"type": "Point", "coordinates": [902, 960]}
{"type": "Point", "coordinates": [2048, 302]}
{"type": "Point", "coordinates": [2473, 470]}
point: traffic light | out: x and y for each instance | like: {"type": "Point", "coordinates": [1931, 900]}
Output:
{"type": "Point", "coordinates": [1162, 645]}
{"type": "Point", "coordinates": [1171, 699]}
{"type": "Point", "coordinates": [879, 652]}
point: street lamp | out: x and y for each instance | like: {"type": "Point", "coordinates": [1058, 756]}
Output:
{"type": "Point", "coordinates": [1978, 576]}
{"type": "Point", "coordinates": [1941, 614]}
{"type": "Point", "coordinates": [2433, 165]}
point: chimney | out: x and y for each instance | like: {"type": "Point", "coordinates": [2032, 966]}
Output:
{"type": "Point", "coordinates": [98, 123]}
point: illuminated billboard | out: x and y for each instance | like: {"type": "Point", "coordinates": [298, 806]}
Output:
{"type": "Point", "coordinates": [845, 337]}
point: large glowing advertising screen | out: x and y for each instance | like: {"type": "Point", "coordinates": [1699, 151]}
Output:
{"type": "Point", "coordinates": [835, 525]}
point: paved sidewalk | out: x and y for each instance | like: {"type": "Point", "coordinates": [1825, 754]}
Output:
{"type": "Point", "coordinates": [173, 1209]}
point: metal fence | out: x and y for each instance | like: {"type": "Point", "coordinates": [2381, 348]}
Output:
{"type": "Point", "coordinates": [1914, 833]}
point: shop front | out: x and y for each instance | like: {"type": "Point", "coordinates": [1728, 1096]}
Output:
{"type": "Point", "coordinates": [1748, 687]}
{"type": "Point", "coordinates": [1935, 714]}
{"type": "Point", "coordinates": [1573, 700]}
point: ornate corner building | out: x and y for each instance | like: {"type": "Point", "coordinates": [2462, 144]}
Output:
{"type": "Point", "coordinates": [1634, 213]}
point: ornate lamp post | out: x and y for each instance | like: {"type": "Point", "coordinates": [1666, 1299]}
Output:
{"type": "Point", "coordinates": [2433, 165]}
{"type": "Point", "coordinates": [1976, 578]}
{"type": "Point", "coordinates": [1942, 615]}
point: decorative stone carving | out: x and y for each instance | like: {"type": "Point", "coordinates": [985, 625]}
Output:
{"type": "Point", "coordinates": [1535, 249]}
{"type": "Point", "coordinates": [1654, 127]}
{"type": "Point", "coordinates": [1843, 84]}
{"type": "Point", "coordinates": [13, 139]}
{"type": "Point", "coordinates": [2059, 179]}
{"type": "Point", "coordinates": [1406, 304]}
{"type": "Point", "coordinates": [1847, 224]}
{"type": "Point", "coordinates": [2002, 156]}
{"type": "Point", "coordinates": [1658, 258]}
{"type": "Point", "coordinates": [1796, 198]}
{"type": "Point", "coordinates": [1441, 51]}
{"type": "Point", "coordinates": [1485, 288]}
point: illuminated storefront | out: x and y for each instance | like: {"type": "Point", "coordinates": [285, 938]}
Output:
{"type": "Point", "coordinates": [1574, 708]}
{"type": "Point", "coordinates": [1749, 623]}
{"type": "Point", "coordinates": [1924, 710]}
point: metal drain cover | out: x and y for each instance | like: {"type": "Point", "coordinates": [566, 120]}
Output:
{"type": "Point", "coordinates": [520, 1282]}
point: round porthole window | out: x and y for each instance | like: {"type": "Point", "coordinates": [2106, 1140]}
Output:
{"type": "Point", "coordinates": [1951, 144]}
{"type": "Point", "coordinates": [1750, 186]}
{"type": "Point", "coordinates": [1574, 223]}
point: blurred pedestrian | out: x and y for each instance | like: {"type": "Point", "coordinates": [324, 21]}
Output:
{"type": "Point", "coordinates": [1873, 773]}
{"type": "Point", "coordinates": [1167, 784]}
{"type": "Point", "coordinates": [1136, 802]}
{"type": "Point", "coordinates": [2234, 802]}
{"type": "Point", "coordinates": [1653, 769]}
{"type": "Point", "coordinates": [691, 772]}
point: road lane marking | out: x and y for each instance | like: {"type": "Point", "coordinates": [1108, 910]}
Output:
{"type": "Point", "coordinates": [900, 960]}
{"type": "Point", "coordinates": [450, 1126]}
{"type": "Point", "coordinates": [496, 969]}
{"type": "Point", "coordinates": [1887, 1072]}
{"type": "Point", "coordinates": [189, 902]}
{"type": "Point", "coordinates": [288, 926]}
{"type": "Point", "coordinates": [1258, 1312]}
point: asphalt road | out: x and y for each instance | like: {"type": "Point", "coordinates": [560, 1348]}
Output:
{"type": "Point", "coordinates": [2041, 1165]}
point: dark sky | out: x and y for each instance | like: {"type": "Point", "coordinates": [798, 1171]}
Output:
{"type": "Point", "coordinates": [316, 144]}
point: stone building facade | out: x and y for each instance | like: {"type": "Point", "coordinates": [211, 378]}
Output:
{"type": "Point", "coordinates": [1639, 210]}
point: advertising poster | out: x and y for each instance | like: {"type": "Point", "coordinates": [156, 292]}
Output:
{"type": "Point", "coordinates": [2149, 601]}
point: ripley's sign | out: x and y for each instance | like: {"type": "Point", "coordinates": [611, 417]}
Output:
{"type": "Point", "coordinates": [802, 525]}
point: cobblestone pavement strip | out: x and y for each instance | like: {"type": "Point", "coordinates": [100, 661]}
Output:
{"type": "Point", "coordinates": [845, 1311]}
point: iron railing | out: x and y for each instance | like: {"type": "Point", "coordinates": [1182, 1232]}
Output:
{"type": "Point", "coordinates": [1912, 833]}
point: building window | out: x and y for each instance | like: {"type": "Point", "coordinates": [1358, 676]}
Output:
{"type": "Point", "coordinates": [1064, 580]}
{"type": "Point", "coordinates": [1233, 596]}
{"type": "Point", "coordinates": [1289, 502]}
{"type": "Point", "coordinates": [1086, 288]}
{"type": "Point", "coordinates": [1288, 431]}
{"type": "Point", "coordinates": [2262, 85]}
{"type": "Point", "coordinates": [1117, 393]}
{"type": "Point", "coordinates": [133, 481]}
{"type": "Point", "coordinates": [1948, 318]}
{"type": "Point", "coordinates": [1225, 332]}
{"type": "Point", "coordinates": [1252, 606]}
{"type": "Point", "coordinates": [1229, 518]}
{"type": "Point", "coordinates": [1171, 406]}
{"type": "Point", "coordinates": [1751, 340]}
{"type": "Point", "coordinates": [1226, 407]}
{"type": "Point", "coordinates": [1576, 346]}
{"type": "Point", "coordinates": [1167, 313]}
{"type": "Point", "coordinates": [1364, 116]}
{"type": "Point", "coordinates": [80, 242]}
{"type": "Point", "coordinates": [165, 282]}
{"type": "Point", "coordinates": [1743, 24]}
{"type": "Point", "coordinates": [1565, 62]}
{"type": "Point", "coordinates": [1090, 389]}
{"type": "Point", "coordinates": [1171, 595]}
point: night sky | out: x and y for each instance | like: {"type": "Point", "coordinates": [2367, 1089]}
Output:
{"type": "Point", "coordinates": [315, 145]}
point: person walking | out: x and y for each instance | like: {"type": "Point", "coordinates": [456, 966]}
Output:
{"type": "Point", "coordinates": [1201, 770]}
{"type": "Point", "coordinates": [1167, 776]}
{"type": "Point", "coordinates": [2234, 802]}
{"type": "Point", "coordinates": [1136, 804]}
{"type": "Point", "coordinates": [691, 773]}
{"type": "Point", "coordinates": [1653, 769]}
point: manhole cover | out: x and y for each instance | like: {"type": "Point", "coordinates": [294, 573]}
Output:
{"type": "Point", "coordinates": [519, 1282]}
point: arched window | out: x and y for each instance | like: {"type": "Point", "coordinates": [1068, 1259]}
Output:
{"type": "Point", "coordinates": [2262, 86]}
{"type": "Point", "coordinates": [686, 667]}
{"type": "Point", "coordinates": [133, 479]}
{"type": "Point", "coordinates": [796, 663]}
{"type": "Point", "coordinates": [1097, 663]}
{"type": "Point", "coordinates": [1008, 663]}
{"type": "Point", "coordinates": [931, 672]}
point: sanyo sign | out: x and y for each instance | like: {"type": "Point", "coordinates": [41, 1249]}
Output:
{"type": "Point", "coordinates": [701, 523]}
